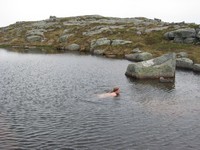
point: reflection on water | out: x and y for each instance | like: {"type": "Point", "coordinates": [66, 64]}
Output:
{"type": "Point", "coordinates": [51, 102]}
{"type": "Point", "coordinates": [168, 86]}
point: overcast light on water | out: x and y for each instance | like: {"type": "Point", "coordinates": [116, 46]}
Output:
{"type": "Point", "coordinates": [50, 101]}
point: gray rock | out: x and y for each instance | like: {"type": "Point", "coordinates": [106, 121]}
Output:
{"type": "Point", "coordinates": [86, 20]}
{"type": "Point", "coordinates": [139, 33]}
{"type": "Point", "coordinates": [178, 40]}
{"type": "Point", "coordinates": [184, 63]}
{"type": "Point", "coordinates": [99, 42]}
{"type": "Point", "coordinates": [189, 40]}
{"type": "Point", "coordinates": [182, 55]}
{"type": "Point", "coordinates": [66, 31]}
{"type": "Point", "coordinates": [35, 35]}
{"type": "Point", "coordinates": [64, 38]}
{"type": "Point", "coordinates": [196, 67]}
{"type": "Point", "coordinates": [45, 24]}
{"type": "Point", "coordinates": [169, 35]}
{"type": "Point", "coordinates": [53, 18]}
{"type": "Point", "coordinates": [186, 35]}
{"type": "Point", "coordinates": [39, 32]}
{"type": "Point", "coordinates": [198, 35]}
{"type": "Point", "coordinates": [136, 50]}
{"type": "Point", "coordinates": [144, 56]}
{"type": "Point", "coordinates": [156, 29]}
{"type": "Point", "coordinates": [34, 38]}
{"type": "Point", "coordinates": [163, 66]}
{"type": "Point", "coordinates": [120, 42]}
{"type": "Point", "coordinates": [131, 57]}
{"type": "Point", "coordinates": [139, 56]}
{"type": "Point", "coordinates": [100, 29]}
{"type": "Point", "coordinates": [73, 47]}
{"type": "Point", "coordinates": [98, 51]}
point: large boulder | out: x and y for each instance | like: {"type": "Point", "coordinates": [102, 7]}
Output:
{"type": "Point", "coordinates": [186, 35]}
{"type": "Point", "coordinates": [163, 66]}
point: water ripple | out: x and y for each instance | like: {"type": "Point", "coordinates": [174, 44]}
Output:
{"type": "Point", "coordinates": [51, 102]}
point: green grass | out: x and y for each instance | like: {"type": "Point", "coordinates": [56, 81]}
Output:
{"type": "Point", "coordinates": [153, 42]}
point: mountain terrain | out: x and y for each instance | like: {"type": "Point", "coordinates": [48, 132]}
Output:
{"type": "Point", "coordinates": [107, 36]}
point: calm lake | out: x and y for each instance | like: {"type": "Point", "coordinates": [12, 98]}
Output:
{"type": "Point", "coordinates": [50, 101]}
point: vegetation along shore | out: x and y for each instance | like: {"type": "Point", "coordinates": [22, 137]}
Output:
{"type": "Point", "coordinates": [107, 36]}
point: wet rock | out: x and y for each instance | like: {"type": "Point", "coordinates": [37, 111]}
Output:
{"type": "Point", "coordinates": [184, 63]}
{"type": "Point", "coordinates": [163, 66]}
{"type": "Point", "coordinates": [196, 67]}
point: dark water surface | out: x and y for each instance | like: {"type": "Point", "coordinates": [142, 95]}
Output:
{"type": "Point", "coordinates": [51, 102]}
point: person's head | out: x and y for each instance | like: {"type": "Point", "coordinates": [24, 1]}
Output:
{"type": "Point", "coordinates": [116, 90]}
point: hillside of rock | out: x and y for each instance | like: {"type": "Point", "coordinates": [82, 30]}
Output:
{"type": "Point", "coordinates": [108, 36]}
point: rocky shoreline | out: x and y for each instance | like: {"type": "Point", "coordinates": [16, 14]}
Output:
{"type": "Point", "coordinates": [110, 37]}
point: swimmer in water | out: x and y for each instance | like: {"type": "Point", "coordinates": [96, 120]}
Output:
{"type": "Point", "coordinates": [113, 93]}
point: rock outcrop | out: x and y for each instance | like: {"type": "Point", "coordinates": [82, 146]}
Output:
{"type": "Point", "coordinates": [35, 35]}
{"type": "Point", "coordinates": [107, 36]}
{"type": "Point", "coordinates": [186, 35]}
{"type": "Point", "coordinates": [163, 66]}
{"type": "Point", "coordinates": [183, 62]}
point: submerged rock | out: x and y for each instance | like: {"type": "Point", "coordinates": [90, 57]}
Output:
{"type": "Point", "coordinates": [163, 66]}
